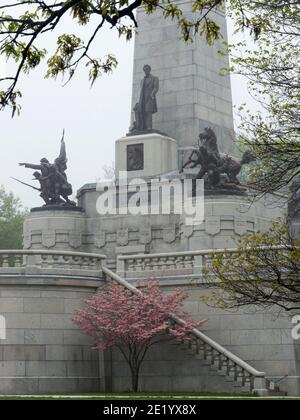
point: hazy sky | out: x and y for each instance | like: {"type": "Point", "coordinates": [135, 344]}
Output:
{"type": "Point", "coordinates": [94, 118]}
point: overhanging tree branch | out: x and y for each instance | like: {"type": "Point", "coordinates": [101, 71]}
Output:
{"type": "Point", "coordinates": [20, 30]}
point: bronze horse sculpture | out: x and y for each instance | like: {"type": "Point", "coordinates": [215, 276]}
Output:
{"type": "Point", "coordinates": [213, 164]}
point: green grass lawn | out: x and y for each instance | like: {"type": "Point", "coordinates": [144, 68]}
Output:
{"type": "Point", "coordinates": [142, 396]}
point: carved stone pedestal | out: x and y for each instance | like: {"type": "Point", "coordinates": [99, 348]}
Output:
{"type": "Point", "coordinates": [53, 229]}
{"type": "Point", "coordinates": [146, 155]}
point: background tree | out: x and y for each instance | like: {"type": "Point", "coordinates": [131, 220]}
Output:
{"type": "Point", "coordinates": [23, 23]}
{"type": "Point", "coordinates": [11, 221]}
{"type": "Point", "coordinates": [265, 271]}
{"type": "Point", "coordinates": [115, 317]}
{"type": "Point", "coordinates": [272, 69]}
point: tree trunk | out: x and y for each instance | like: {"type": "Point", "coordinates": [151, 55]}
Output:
{"type": "Point", "coordinates": [134, 378]}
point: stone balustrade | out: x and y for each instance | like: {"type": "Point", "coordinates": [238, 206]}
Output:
{"type": "Point", "coordinates": [166, 264]}
{"type": "Point", "coordinates": [51, 262]}
{"type": "Point", "coordinates": [174, 264]}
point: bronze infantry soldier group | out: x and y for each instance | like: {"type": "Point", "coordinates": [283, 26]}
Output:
{"type": "Point", "coordinates": [54, 186]}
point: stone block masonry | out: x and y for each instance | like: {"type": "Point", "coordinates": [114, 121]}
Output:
{"type": "Point", "coordinates": [44, 352]}
{"type": "Point", "coordinates": [193, 94]}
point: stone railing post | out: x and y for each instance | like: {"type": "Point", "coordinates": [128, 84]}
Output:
{"type": "Point", "coordinates": [260, 386]}
{"type": "Point", "coordinates": [51, 262]}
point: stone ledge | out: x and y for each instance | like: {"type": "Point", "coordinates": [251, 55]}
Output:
{"type": "Point", "coordinates": [49, 280]}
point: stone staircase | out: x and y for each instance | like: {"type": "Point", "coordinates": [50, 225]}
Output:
{"type": "Point", "coordinates": [241, 379]}
{"type": "Point", "coordinates": [219, 361]}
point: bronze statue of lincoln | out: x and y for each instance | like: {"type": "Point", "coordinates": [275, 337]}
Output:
{"type": "Point", "coordinates": [147, 104]}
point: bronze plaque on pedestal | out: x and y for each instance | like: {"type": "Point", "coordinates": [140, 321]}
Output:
{"type": "Point", "coordinates": [135, 157]}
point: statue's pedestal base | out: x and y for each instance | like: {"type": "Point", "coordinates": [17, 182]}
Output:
{"type": "Point", "coordinates": [146, 155]}
{"type": "Point", "coordinates": [136, 132]}
{"type": "Point", "coordinates": [57, 207]}
{"type": "Point", "coordinates": [54, 228]}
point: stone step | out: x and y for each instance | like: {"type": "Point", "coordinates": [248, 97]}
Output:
{"type": "Point", "coordinates": [272, 386]}
{"type": "Point", "coordinates": [246, 389]}
{"type": "Point", "coordinates": [274, 390]}
{"type": "Point", "coordinates": [277, 393]}
{"type": "Point", "coordinates": [213, 366]}
{"type": "Point", "coordinates": [270, 393]}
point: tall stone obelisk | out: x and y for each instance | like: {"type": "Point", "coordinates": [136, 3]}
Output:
{"type": "Point", "coordinates": [192, 93]}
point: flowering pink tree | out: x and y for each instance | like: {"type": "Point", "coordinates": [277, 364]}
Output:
{"type": "Point", "coordinates": [134, 322]}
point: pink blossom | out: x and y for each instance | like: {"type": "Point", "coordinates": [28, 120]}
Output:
{"type": "Point", "coordinates": [134, 322]}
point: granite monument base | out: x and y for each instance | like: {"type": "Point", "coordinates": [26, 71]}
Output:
{"type": "Point", "coordinates": [54, 228]}
{"type": "Point", "coordinates": [146, 155]}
